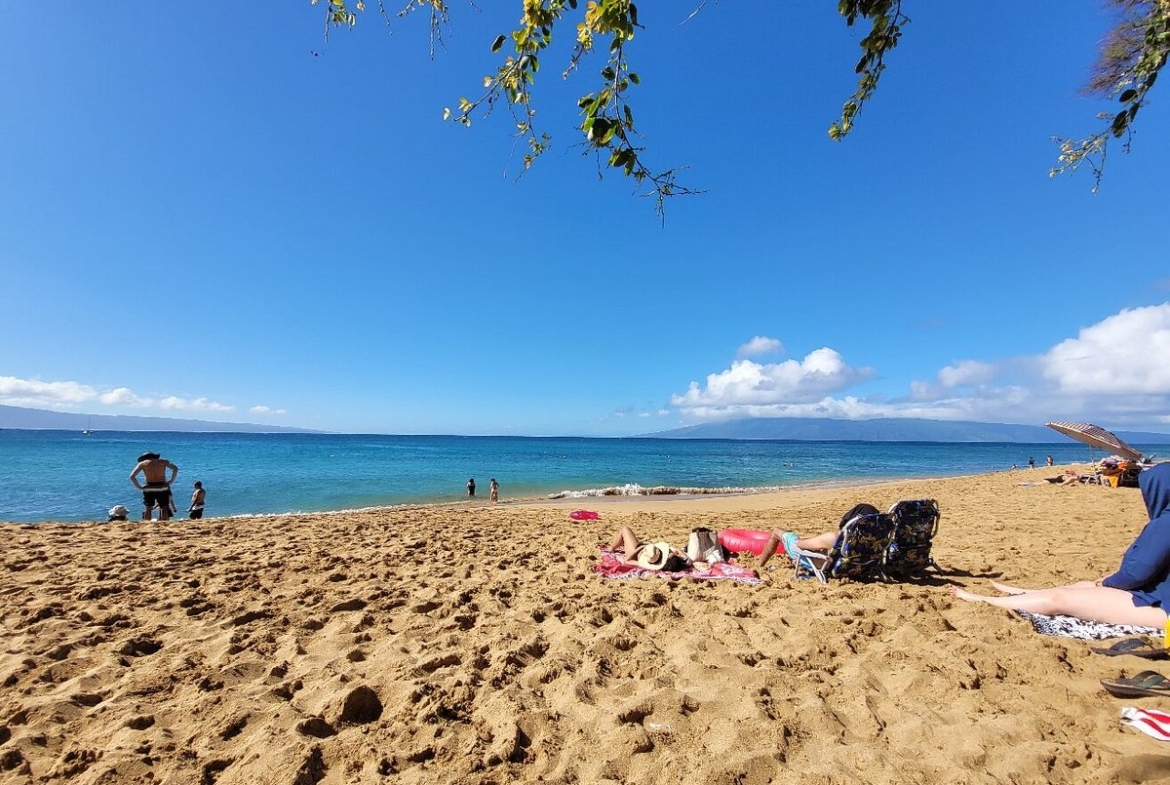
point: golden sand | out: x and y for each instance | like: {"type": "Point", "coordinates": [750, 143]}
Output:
{"type": "Point", "coordinates": [477, 645]}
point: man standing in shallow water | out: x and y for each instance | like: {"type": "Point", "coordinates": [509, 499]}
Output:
{"type": "Point", "coordinates": [157, 490]}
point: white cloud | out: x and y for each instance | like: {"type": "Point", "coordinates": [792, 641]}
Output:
{"type": "Point", "coordinates": [196, 404]}
{"type": "Point", "coordinates": [124, 396]}
{"type": "Point", "coordinates": [749, 386]}
{"type": "Point", "coordinates": [52, 394]}
{"type": "Point", "coordinates": [74, 396]}
{"type": "Point", "coordinates": [1114, 372]}
{"type": "Point", "coordinates": [1126, 354]}
{"type": "Point", "coordinates": [760, 345]}
{"type": "Point", "coordinates": [965, 374]}
{"type": "Point", "coordinates": [261, 409]}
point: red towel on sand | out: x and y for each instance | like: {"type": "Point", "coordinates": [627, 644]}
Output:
{"type": "Point", "coordinates": [612, 565]}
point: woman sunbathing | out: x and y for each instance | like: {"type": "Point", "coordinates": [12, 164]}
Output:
{"type": "Point", "coordinates": [1138, 593]}
{"type": "Point", "coordinates": [648, 555]}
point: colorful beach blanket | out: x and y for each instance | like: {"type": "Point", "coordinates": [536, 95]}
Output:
{"type": "Point", "coordinates": [1071, 627]}
{"type": "Point", "coordinates": [612, 565]}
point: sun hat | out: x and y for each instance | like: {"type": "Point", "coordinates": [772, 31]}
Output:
{"type": "Point", "coordinates": [119, 509]}
{"type": "Point", "coordinates": [658, 560]}
{"type": "Point", "coordinates": [148, 456]}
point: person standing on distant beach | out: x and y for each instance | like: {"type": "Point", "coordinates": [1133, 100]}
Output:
{"type": "Point", "coordinates": [1031, 462]}
{"type": "Point", "coordinates": [471, 488]}
{"type": "Point", "coordinates": [1049, 460]}
{"type": "Point", "coordinates": [153, 467]}
{"type": "Point", "coordinates": [198, 496]}
{"type": "Point", "coordinates": [494, 491]}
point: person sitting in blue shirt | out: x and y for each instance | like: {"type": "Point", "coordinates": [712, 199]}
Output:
{"type": "Point", "coordinates": [1138, 593]}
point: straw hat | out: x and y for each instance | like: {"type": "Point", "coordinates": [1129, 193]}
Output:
{"type": "Point", "coordinates": [653, 555]}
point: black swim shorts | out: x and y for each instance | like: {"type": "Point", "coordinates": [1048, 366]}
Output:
{"type": "Point", "coordinates": [157, 493]}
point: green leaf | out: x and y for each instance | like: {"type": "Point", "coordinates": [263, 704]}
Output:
{"type": "Point", "coordinates": [598, 127]}
{"type": "Point", "coordinates": [1120, 121]}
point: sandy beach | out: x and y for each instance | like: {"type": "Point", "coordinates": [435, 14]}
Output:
{"type": "Point", "coordinates": [475, 644]}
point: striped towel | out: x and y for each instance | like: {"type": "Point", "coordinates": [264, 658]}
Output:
{"type": "Point", "coordinates": [612, 565]}
{"type": "Point", "coordinates": [1149, 721]}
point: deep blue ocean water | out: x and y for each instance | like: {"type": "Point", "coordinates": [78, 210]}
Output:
{"type": "Point", "coordinates": [70, 476]}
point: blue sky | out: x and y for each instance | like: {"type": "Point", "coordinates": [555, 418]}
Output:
{"type": "Point", "coordinates": [226, 217]}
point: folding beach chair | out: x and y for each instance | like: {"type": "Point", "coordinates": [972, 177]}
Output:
{"type": "Point", "coordinates": [915, 524]}
{"type": "Point", "coordinates": [858, 554]}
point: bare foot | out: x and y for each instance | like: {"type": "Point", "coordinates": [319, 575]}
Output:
{"type": "Point", "coordinates": [1003, 588]}
{"type": "Point", "coordinates": [963, 594]}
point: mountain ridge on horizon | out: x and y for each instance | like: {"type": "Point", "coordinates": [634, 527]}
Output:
{"type": "Point", "coordinates": [19, 417]}
{"type": "Point", "coordinates": [884, 429]}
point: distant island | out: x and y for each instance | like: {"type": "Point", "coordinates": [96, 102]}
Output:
{"type": "Point", "coordinates": [800, 429]}
{"type": "Point", "coordinates": [42, 420]}
{"type": "Point", "coordinates": [884, 429]}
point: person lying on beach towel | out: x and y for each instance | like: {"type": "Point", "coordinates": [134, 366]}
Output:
{"type": "Point", "coordinates": [822, 543]}
{"type": "Point", "coordinates": [1138, 593]}
{"type": "Point", "coordinates": [648, 555]}
{"type": "Point", "coordinates": [627, 557]}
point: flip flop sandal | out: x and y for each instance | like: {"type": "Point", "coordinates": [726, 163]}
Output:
{"type": "Point", "coordinates": [1144, 683]}
{"type": "Point", "coordinates": [1138, 647]}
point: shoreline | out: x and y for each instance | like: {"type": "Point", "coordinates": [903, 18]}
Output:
{"type": "Point", "coordinates": [570, 499]}
{"type": "Point", "coordinates": [247, 475]}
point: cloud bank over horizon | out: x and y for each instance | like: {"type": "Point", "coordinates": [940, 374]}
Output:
{"type": "Point", "coordinates": [1114, 370]}
{"type": "Point", "coordinates": [71, 396]}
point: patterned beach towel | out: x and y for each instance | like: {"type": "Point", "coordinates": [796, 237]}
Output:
{"type": "Point", "coordinates": [1148, 721]}
{"type": "Point", "coordinates": [1072, 627]}
{"type": "Point", "coordinates": [612, 565]}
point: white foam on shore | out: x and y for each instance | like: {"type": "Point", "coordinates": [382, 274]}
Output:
{"type": "Point", "coordinates": [633, 489]}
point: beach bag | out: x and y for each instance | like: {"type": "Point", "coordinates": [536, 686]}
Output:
{"type": "Point", "coordinates": [858, 509]}
{"type": "Point", "coordinates": [703, 546]}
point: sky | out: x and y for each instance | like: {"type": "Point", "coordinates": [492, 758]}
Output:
{"type": "Point", "coordinates": [226, 215]}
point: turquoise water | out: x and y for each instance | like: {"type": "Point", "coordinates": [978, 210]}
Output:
{"type": "Point", "coordinates": [68, 476]}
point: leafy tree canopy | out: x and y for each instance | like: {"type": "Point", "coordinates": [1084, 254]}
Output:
{"type": "Point", "coordinates": [1132, 56]}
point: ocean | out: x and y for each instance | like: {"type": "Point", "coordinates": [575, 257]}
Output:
{"type": "Point", "coordinates": [70, 476]}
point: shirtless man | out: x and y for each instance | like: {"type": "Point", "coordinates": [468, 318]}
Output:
{"type": "Point", "coordinates": [157, 490]}
{"type": "Point", "coordinates": [198, 499]}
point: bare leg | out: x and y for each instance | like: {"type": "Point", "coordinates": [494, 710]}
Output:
{"type": "Point", "coordinates": [1092, 602]}
{"type": "Point", "coordinates": [627, 541]}
{"type": "Point", "coordinates": [1005, 589]}
{"type": "Point", "coordinates": [770, 547]}
{"type": "Point", "coordinates": [821, 542]}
